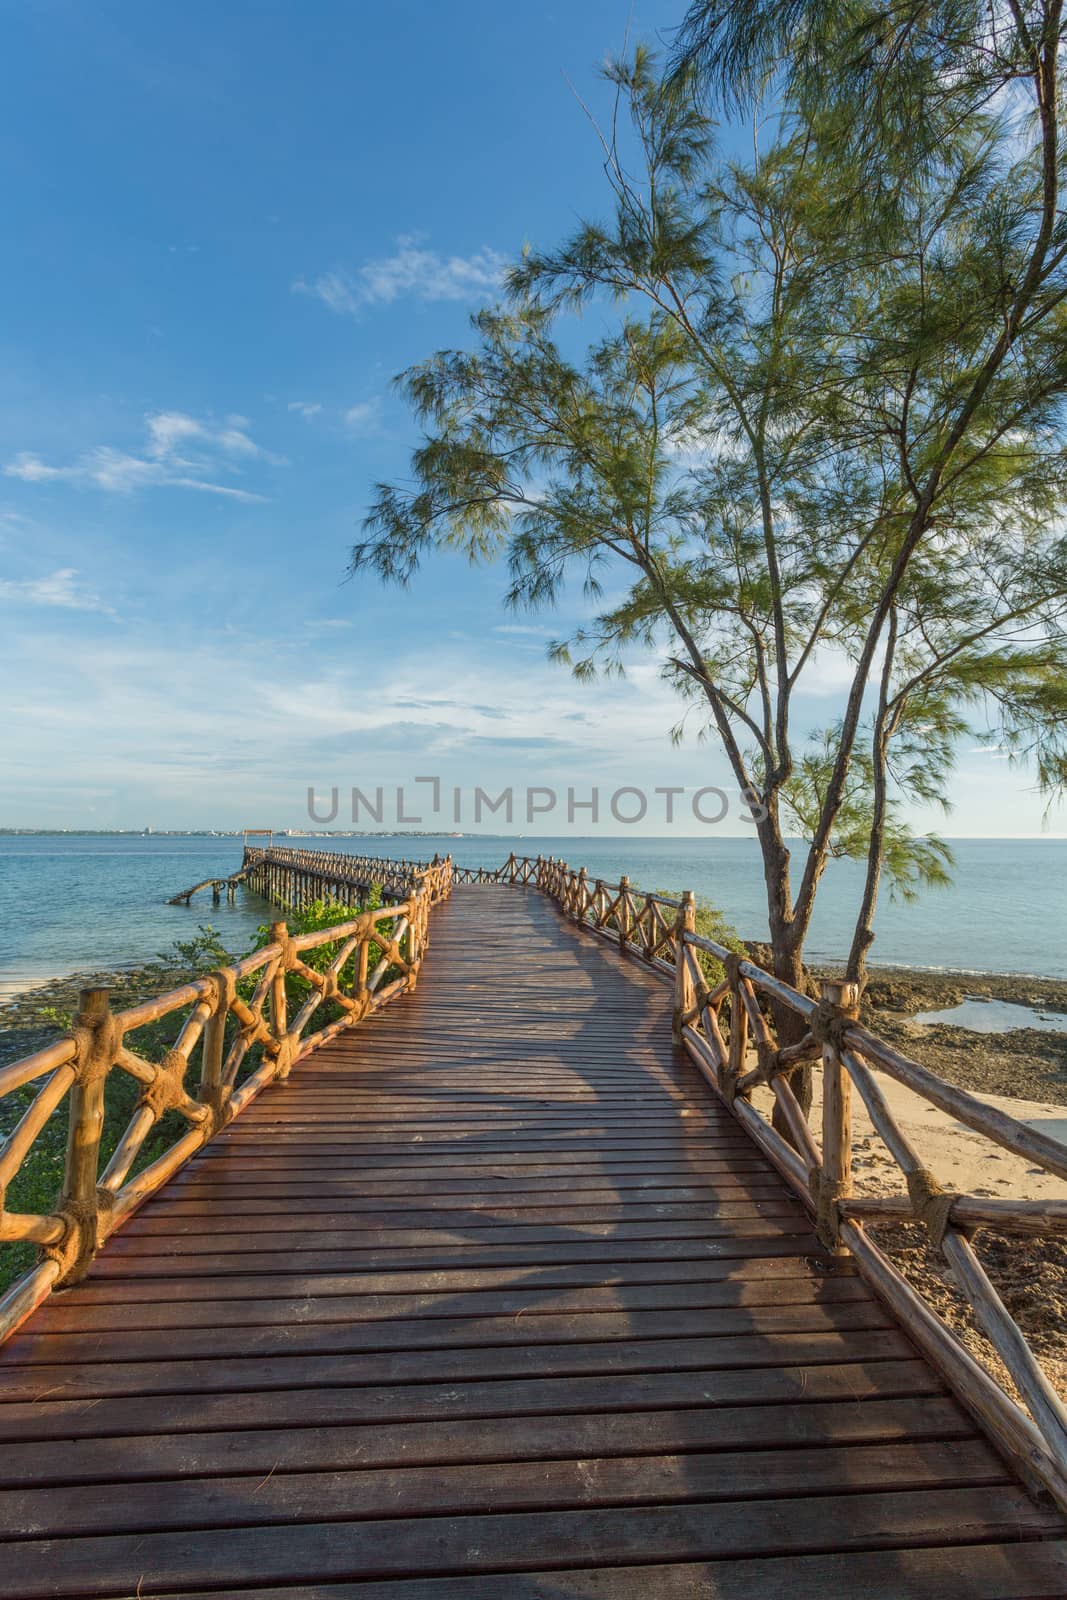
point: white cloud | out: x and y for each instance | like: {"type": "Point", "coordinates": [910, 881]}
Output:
{"type": "Point", "coordinates": [60, 588]}
{"type": "Point", "coordinates": [829, 671]}
{"type": "Point", "coordinates": [412, 271]}
{"type": "Point", "coordinates": [308, 721]}
{"type": "Point", "coordinates": [180, 452]}
{"type": "Point", "coordinates": [167, 430]}
{"type": "Point", "coordinates": [305, 408]}
{"type": "Point", "coordinates": [363, 417]}
{"type": "Point", "coordinates": [31, 469]}
{"type": "Point", "coordinates": [522, 627]}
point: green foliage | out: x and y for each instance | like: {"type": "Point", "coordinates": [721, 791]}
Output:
{"type": "Point", "coordinates": [318, 917]}
{"type": "Point", "coordinates": [205, 952]}
{"type": "Point", "coordinates": [56, 1017]}
{"type": "Point", "coordinates": [825, 420]}
{"type": "Point", "coordinates": [711, 923]}
{"type": "Point", "coordinates": [910, 862]}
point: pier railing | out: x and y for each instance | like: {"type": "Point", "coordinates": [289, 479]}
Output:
{"type": "Point", "coordinates": [231, 1034]}
{"type": "Point", "coordinates": [293, 878]}
{"type": "Point", "coordinates": [724, 1025]}
{"type": "Point", "coordinates": [746, 1030]}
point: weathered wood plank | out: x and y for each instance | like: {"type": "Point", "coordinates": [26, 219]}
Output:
{"type": "Point", "coordinates": [120, 1344]}
{"type": "Point", "coordinates": [493, 1286]}
{"type": "Point", "coordinates": [509, 1541]}
{"type": "Point", "coordinates": [958, 1572]}
{"type": "Point", "coordinates": [293, 1498]}
{"type": "Point", "coordinates": [208, 1311]}
{"type": "Point", "coordinates": [48, 1386]}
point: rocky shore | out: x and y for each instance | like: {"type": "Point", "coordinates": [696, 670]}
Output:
{"type": "Point", "coordinates": [1026, 1063]}
{"type": "Point", "coordinates": [30, 1020]}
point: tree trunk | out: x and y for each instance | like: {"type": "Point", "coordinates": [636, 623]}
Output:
{"type": "Point", "coordinates": [789, 1028]}
{"type": "Point", "coordinates": [786, 960]}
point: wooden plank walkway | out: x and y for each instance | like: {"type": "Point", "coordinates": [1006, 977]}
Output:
{"type": "Point", "coordinates": [493, 1301]}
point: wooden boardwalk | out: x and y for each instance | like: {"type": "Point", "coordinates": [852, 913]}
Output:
{"type": "Point", "coordinates": [493, 1301]}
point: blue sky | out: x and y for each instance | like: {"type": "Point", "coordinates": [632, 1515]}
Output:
{"type": "Point", "coordinates": [228, 227]}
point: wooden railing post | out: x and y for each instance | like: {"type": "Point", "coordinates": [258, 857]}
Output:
{"type": "Point", "coordinates": [648, 928]}
{"type": "Point", "coordinates": [735, 1057]}
{"type": "Point", "coordinates": [279, 1004]}
{"type": "Point", "coordinates": [214, 1046]}
{"type": "Point", "coordinates": [622, 913]}
{"type": "Point", "coordinates": [581, 896]}
{"type": "Point", "coordinates": [684, 989]}
{"type": "Point", "coordinates": [416, 916]}
{"type": "Point", "coordinates": [836, 1176]}
{"type": "Point", "coordinates": [95, 1031]}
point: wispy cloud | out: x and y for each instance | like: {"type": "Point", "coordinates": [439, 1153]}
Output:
{"type": "Point", "coordinates": [411, 272]}
{"type": "Point", "coordinates": [60, 588]}
{"type": "Point", "coordinates": [993, 752]}
{"type": "Point", "coordinates": [180, 452]}
{"type": "Point", "coordinates": [305, 408]}
{"type": "Point", "coordinates": [363, 418]}
{"type": "Point", "coordinates": [169, 430]}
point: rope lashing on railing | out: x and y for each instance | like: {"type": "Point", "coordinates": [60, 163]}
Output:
{"type": "Point", "coordinates": [731, 967]}
{"type": "Point", "coordinates": [774, 1062]}
{"type": "Point", "coordinates": [73, 1254]}
{"type": "Point", "coordinates": [827, 1027]}
{"type": "Point", "coordinates": [97, 1043]}
{"type": "Point", "coordinates": [826, 1193]}
{"type": "Point", "coordinates": [932, 1204]}
{"type": "Point", "coordinates": [829, 1023]}
{"type": "Point", "coordinates": [167, 1088]}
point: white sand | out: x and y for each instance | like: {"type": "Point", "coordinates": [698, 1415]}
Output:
{"type": "Point", "coordinates": [958, 1157]}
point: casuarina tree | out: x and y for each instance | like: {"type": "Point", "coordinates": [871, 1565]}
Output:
{"type": "Point", "coordinates": [824, 422]}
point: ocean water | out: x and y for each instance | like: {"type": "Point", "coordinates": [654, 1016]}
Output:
{"type": "Point", "coordinates": [73, 902]}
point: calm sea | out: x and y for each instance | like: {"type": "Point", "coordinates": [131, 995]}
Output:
{"type": "Point", "coordinates": [72, 903]}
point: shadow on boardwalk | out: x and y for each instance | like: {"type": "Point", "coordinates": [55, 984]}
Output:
{"type": "Point", "coordinates": [493, 1299]}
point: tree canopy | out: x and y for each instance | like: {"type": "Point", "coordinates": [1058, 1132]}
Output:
{"type": "Point", "coordinates": [827, 417]}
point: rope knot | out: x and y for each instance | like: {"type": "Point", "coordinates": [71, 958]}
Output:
{"type": "Point", "coordinates": [826, 1193]}
{"type": "Point", "coordinates": [769, 1059]}
{"type": "Point", "coordinates": [97, 1048]}
{"type": "Point", "coordinates": [731, 966]}
{"type": "Point", "coordinates": [224, 982]}
{"type": "Point", "coordinates": [216, 1097]}
{"type": "Point", "coordinates": [167, 1088]}
{"type": "Point", "coordinates": [931, 1203]}
{"type": "Point", "coordinates": [74, 1252]}
{"type": "Point", "coordinates": [829, 1023]}
{"type": "Point", "coordinates": [701, 995]}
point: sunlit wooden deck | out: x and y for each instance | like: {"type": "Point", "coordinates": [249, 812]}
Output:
{"type": "Point", "coordinates": [493, 1300]}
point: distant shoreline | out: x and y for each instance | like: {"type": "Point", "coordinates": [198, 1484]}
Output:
{"type": "Point", "coordinates": [530, 840]}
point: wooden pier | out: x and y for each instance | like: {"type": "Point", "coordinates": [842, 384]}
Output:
{"type": "Point", "coordinates": [495, 1297]}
